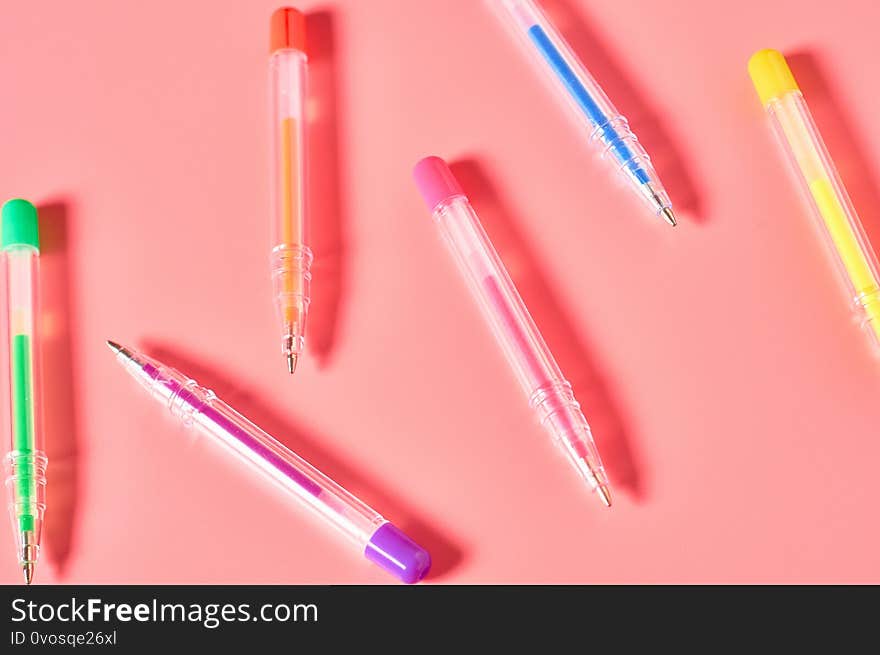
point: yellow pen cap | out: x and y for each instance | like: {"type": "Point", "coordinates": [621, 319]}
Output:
{"type": "Point", "coordinates": [771, 75]}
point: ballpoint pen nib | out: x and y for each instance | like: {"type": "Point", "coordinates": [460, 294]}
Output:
{"type": "Point", "coordinates": [27, 556]}
{"type": "Point", "coordinates": [604, 494]}
{"type": "Point", "coordinates": [669, 216]}
{"type": "Point", "coordinates": [115, 347]}
{"type": "Point", "coordinates": [291, 362]}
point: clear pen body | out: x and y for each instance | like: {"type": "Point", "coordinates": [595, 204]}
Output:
{"type": "Point", "coordinates": [379, 540]}
{"type": "Point", "coordinates": [291, 257]}
{"type": "Point", "coordinates": [198, 408]}
{"type": "Point", "coordinates": [25, 461]}
{"type": "Point", "coordinates": [549, 393]}
{"type": "Point", "coordinates": [606, 127]}
{"type": "Point", "coordinates": [837, 220]}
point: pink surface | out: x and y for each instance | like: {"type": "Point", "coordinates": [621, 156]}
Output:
{"type": "Point", "coordinates": [732, 398]}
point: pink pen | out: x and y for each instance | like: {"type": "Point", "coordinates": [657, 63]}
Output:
{"type": "Point", "coordinates": [549, 393]}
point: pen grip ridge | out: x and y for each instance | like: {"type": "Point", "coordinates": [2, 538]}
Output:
{"type": "Point", "coordinates": [26, 487]}
{"type": "Point", "coordinates": [188, 400]}
{"type": "Point", "coordinates": [291, 277]}
{"type": "Point", "coordinates": [555, 405]}
{"type": "Point", "coordinates": [617, 139]}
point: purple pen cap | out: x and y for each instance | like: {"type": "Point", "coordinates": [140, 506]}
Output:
{"type": "Point", "coordinates": [436, 182]}
{"type": "Point", "coordinates": [398, 554]}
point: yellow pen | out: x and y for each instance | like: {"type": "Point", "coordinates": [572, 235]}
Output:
{"type": "Point", "coordinates": [793, 124]}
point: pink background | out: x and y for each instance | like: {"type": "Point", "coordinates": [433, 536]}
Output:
{"type": "Point", "coordinates": [733, 398]}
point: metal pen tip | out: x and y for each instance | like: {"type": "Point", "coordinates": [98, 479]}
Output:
{"type": "Point", "coordinates": [28, 570]}
{"type": "Point", "coordinates": [112, 345]}
{"type": "Point", "coordinates": [291, 362]}
{"type": "Point", "coordinates": [668, 216]}
{"type": "Point", "coordinates": [604, 494]}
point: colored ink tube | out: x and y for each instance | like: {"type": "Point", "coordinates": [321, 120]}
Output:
{"type": "Point", "coordinates": [380, 541]}
{"type": "Point", "coordinates": [608, 130]}
{"type": "Point", "coordinates": [26, 460]}
{"type": "Point", "coordinates": [549, 393]}
{"type": "Point", "coordinates": [838, 222]}
{"type": "Point", "coordinates": [291, 257]}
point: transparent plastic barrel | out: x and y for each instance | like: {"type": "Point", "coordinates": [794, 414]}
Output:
{"type": "Point", "coordinates": [199, 408]}
{"type": "Point", "coordinates": [549, 393]}
{"type": "Point", "coordinates": [25, 462]}
{"type": "Point", "coordinates": [379, 540]}
{"type": "Point", "coordinates": [837, 220]}
{"type": "Point", "coordinates": [291, 258]}
{"type": "Point", "coordinates": [608, 129]}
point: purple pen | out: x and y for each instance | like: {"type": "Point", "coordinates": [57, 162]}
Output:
{"type": "Point", "coordinates": [380, 541]}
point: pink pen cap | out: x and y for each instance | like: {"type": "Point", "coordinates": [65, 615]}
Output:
{"type": "Point", "coordinates": [436, 182]}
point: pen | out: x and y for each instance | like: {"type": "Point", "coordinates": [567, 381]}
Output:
{"type": "Point", "coordinates": [291, 257]}
{"type": "Point", "coordinates": [839, 224]}
{"type": "Point", "coordinates": [26, 460]}
{"type": "Point", "coordinates": [550, 395]}
{"type": "Point", "coordinates": [607, 128]}
{"type": "Point", "coordinates": [380, 541]}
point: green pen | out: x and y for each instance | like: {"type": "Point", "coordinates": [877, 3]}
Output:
{"type": "Point", "coordinates": [26, 460]}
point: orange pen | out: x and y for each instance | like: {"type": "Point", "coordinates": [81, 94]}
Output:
{"type": "Point", "coordinates": [291, 257]}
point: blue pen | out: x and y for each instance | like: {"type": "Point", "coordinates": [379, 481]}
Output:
{"type": "Point", "coordinates": [607, 127]}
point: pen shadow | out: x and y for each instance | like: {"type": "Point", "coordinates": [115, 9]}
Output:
{"type": "Point", "coordinates": [326, 201]}
{"type": "Point", "coordinates": [578, 364]}
{"type": "Point", "coordinates": [446, 555]}
{"type": "Point", "coordinates": [842, 141]}
{"type": "Point", "coordinates": [60, 419]}
{"type": "Point", "coordinates": [645, 121]}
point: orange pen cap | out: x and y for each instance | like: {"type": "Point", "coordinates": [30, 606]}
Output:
{"type": "Point", "coordinates": [287, 29]}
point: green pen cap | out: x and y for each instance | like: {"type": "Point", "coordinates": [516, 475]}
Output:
{"type": "Point", "coordinates": [18, 226]}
